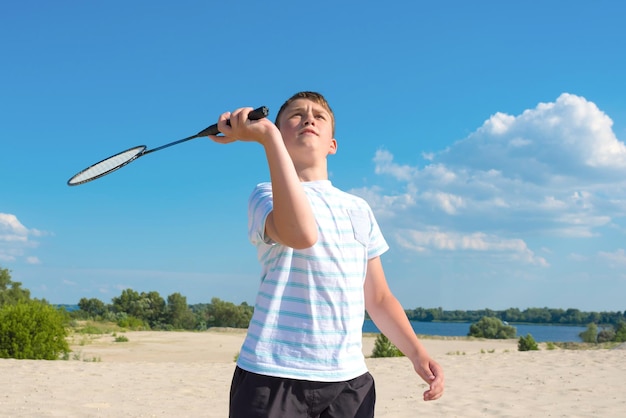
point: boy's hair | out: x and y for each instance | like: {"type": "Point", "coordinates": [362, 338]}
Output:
{"type": "Point", "coordinates": [308, 95]}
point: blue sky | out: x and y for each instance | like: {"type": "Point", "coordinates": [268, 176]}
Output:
{"type": "Point", "coordinates": [487, 136]}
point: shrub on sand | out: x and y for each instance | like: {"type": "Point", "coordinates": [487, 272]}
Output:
{"type": "Point", "coordinates": [32, 330]}
{"type": "Point", "coordinates": [527, 343]}
{"type": "Point", "coordinates": [385, 348]}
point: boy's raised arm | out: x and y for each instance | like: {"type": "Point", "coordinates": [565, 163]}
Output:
{"type": "Point", "coordinates": [291, 221]}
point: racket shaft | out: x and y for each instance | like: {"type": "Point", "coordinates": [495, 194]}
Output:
{"type": "Point", "coordinates": [256, 114]}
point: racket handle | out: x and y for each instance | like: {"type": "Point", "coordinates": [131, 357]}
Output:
{"type": "Point", "coordinates": [256, 114]}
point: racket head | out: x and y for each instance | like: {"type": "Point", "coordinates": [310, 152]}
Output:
{"type": "Point", "coordinates": [106, 166]}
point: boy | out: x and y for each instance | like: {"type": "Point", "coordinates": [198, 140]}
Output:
{"type": "Point", "coordinates": [319, 249]}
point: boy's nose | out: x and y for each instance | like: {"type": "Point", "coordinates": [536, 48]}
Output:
{"type": "Point", "coordinates": [309, 119]}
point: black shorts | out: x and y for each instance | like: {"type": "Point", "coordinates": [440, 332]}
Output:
{"type": "Point", "coordinates": [254, 395]}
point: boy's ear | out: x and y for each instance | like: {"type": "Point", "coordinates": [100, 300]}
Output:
{"type": "Point", "coordinates": [332, 149]}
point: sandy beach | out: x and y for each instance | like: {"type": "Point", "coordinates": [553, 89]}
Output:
{"type": "Point", "coordinates": [186, 374]}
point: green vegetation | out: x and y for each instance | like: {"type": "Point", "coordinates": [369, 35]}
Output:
{"type": "Point", "coordinates": [32, 330]}
{"type": "Point", "coordinates": [590, 335]}
{"type": "Point", "coordinates": [490, 327]}
{"type": "Point", "coordinates": [568, 345]}
{"type": "Point", "coordinates": [90, 327]}
{"type": "Point", "coordinates": [607, 334]}
{"type": "Point", "coordinates": [11, 292]}
{"type": "Point", "coordinates": [385, 348]}
{"type": "Point", "coordinates": [620, 332]}
{"type": "Point", "coordinates": [143, 311]}
{"type": "Point", "coordinates": [527, 343]}
{"type": "Point", "coordinates": [530, 316]}
{"type": "Point", "coordinates": [29, 329]}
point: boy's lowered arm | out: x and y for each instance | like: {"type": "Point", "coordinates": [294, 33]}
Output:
{"type": "Point", "coordinates": [390, 318]}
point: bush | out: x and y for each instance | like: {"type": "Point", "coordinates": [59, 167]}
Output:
{"type": "Point", "coordinates": [590, 335]}
{"type": "Point", "coordinates": [491, 327]}
{"type": "Point", "coordinates": [92, 329]}
{"type": "Point", "coordinates": [606, 335]}
{"type": "Point", "coordinates": [385, 348]}
{"type": "Point", "coordinates": [620, 333]}
{"type": "Point", "coordinates": [527, 343]}
{"type": "Point", "coordinates": [131, 322]}
{"type": "Point", "coordinates": [32, 330]}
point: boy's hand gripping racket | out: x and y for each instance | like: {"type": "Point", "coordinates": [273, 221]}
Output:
{"type": "Point", "coordinates": [108, 165]}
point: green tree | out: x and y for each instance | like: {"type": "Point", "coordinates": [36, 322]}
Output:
{"type": "Point", "coordinates": [153, 307]}
{"type": "Point", "coordinates": [127, 302]}
{"type": "Point", "coordinates": [590, 335]}
{"type": "Point", "coordinates": [573, 316]}
{"type": "Point", "coordinates": [538, 315]}
{"type": "Point", "coordinates": [226, 314]}
{"type": "Point", "coordinates": [10, 291]}
{"type": "Point", "coordinates": [491, 327]}
{"type": "Point", "coordinates": [620, 332]}
{"type": "Point", "coordinates": [92, 307]}
{"type": "Point", "coordinates": [148, 307]}
{"type": "Point", "coordinates": [178, 314]}
{"type": "Point", "coordinates": [32, 330]}
{"type": "Point", "coordinates": [512, 315]}
{"type": "Point", "coordinates": [435, 314]}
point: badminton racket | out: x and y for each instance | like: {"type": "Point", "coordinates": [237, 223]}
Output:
{"type": "Point", "coordinates": [119, 160]}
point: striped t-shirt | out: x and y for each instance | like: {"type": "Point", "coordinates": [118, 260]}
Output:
{"type": "Point", "coordinates": [309, 311]}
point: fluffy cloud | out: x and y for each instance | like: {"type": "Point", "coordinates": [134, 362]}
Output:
{"type": "Point", "coordinates": [557, 170]}
{"type": "Point", "coordinates": [434, 238]}
{"type": "Point", "coordinates": [570, 138]}
{"type": "Point", "coordinates": [16, 240]}
{"type": "Point", "coordinates": [616, 259]}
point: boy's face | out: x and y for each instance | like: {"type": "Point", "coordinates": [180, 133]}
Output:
{"type": "Point", "coordinates": [307, 129]}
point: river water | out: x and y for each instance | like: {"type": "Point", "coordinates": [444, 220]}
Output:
{"type": "Point", "coordinates": [540, 333]}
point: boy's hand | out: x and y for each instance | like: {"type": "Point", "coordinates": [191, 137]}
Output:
{"type": "Point", "coordinates": [432, 373]}
{"type": "Point", "coordinates": [243, 129]}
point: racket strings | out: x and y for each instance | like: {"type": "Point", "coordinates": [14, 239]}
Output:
{"type": "Point", "coordinates": [107, 165]}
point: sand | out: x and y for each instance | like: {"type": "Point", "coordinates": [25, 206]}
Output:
{"type": "Point", "coordinates": [186, 374]}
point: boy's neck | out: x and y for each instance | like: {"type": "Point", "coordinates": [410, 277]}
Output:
{"type": "Point", "coordinates": [312, 173]}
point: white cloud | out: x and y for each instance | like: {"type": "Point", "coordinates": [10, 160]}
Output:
{"type": "Point", "coordinates": [560, 138]}
{"type": "Point", "coordinates": [386, 205]}
{"type": "Point", "coordinates": [16, 240]}
{"type": "Point", "coordinates": [577, 257]}
{"type": "Point", "coordinates": [615, 258]}
{"type": "Point", "coordinates": [385, 165]}
{"type": "Point", "coordinates": [11, 230]}
{"type": "Point", "coordinates": [447, 202]}
{"type": "Point", "coordinates": [32, 260]}
{"type": "Point", "coordinates": [557, 170]}
{"type": "Point", "coordinates": [438, 240]}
